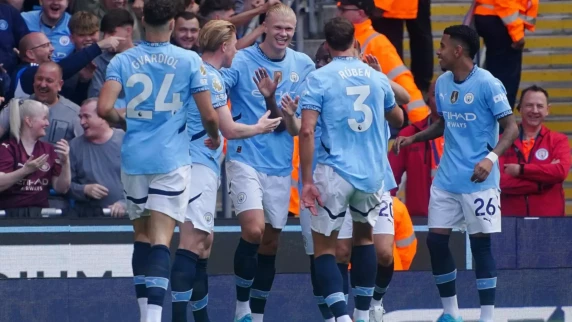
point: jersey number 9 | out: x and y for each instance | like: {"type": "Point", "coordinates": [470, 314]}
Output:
{"type": "Point", "coordinates": [159, 105]}
{"type": "Point", "coordinates": [362, 92]}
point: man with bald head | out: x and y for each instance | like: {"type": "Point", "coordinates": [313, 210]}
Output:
{"type": "Point", "coordinates": [35, 48]}
{"type": "Point", "coordinates": [64, 114]}
{"type": "Point", "coordinates": [52, 20]}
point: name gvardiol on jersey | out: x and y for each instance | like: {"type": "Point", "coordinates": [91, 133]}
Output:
{"type": "Point", "coordinates": [155, 58]}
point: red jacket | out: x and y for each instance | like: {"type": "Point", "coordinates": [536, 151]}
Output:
{"type": "Point", "coordinates": [414, 159]}
{"type": "Point", "coordinates": [538, 190]}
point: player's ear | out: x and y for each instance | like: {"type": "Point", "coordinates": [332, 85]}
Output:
{"type": "Point", "coordinates": [223, 47]}
{"type": "Point", "coordinates": [172, 25]}
{"type": "Point", "coordinates": [129, 30]}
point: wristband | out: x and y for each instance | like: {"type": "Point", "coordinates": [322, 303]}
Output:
{"type": "Point", "coordinates": [492, 156]}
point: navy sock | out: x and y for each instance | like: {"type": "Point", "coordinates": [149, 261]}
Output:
{"type": "Point", "coordinates": [364, 267]}
{"type": "Point", "coordinates": [244, 268]}
{"type": "Point", "coordinates": [322, 306]}
{"type": "Point", "coordinates": [330, 281]}
{"type": "Point", "coordinates": [200, 297]}
{"type": "Point", "coordinates": [345, 279]}
{"type": "Point", "coordinates": [485, 269]}
{"type": "Point", "coordinates": [442, 263]}
{"type": "Point", "coordinates": [139, 264]}
{"type": "Point", "coordinates": [262, 283]}
{"type": "Point", "coordinates": [382, 280]}
{"type": "Point", "coordinates": [157, 277]}
{"type": "Point", "coordinates": [182, 280]}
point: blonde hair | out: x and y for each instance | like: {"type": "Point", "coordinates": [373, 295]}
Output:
{"type": "Point", "coordinates": [83, 23]}
{"type": "Point", "coordinates": [281, 9]}
{"type": "Point", "coordinates": [21, 108]}
{"type": "Point", "coordinates": [214, 34]}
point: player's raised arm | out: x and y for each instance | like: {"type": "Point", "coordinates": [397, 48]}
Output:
{"type": "Point", "coordinates": [109, 94]}
{"type": "Point", "coordinates": [402, 97]}
{"type": "Point", "coordinates": [218, 43]}
{"type": "Point", "coordinates": [267, 88]}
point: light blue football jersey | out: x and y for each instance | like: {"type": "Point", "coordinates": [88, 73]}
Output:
{"type": "Point", "coordinates": [59, 35]}
{"type": "Point", "coordinates": [197, 133]}
{"type": "Point", "coordinates": [267, 153]}
{"type": "Point", "coordinates": [470, 110]}
{"type": "Point", "coordinates": [352, 99]}
{"type": "Point", "coordinates": [159, 80]}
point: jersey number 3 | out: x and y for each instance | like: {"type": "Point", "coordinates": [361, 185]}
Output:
{"type": "Point", "coordinates": [160, 104]}
{"type": "Point", "coordinates": [362, 92]}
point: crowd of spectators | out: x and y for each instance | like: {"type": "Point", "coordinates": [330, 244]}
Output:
{"type": "Point", "coordinates": [56, 52]}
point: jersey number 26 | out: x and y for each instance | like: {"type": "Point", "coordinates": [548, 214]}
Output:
{"type": "Point", "coordinates": [359, 106]}
{"type": "Point", "coordinates": [159, 105]}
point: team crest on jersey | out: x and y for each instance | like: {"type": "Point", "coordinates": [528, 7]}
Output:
{"type": "Point", "coordinates": [217, 85]}
{"type": "Point", "coordinates": [469, 98]}
{"type": "Point", "coordinates": [3, 24]}
{"type": "Point", "coordinates": [294, 78]}
{"type": "Point", "coordinates": [208, 217]}
{"type": "Point", "coordinates": [45, 167]}
{"type": "Point", "coordinates": [541, 154]}
{"type": "Point", "coordinates": [203, 70]}
{"type": "Point", "coordinates": [454, 97]}
{"type": "Point", "coordinates": [278, 76]}
{"type": "Point", "coordinates": [64, 40]}
{"type": "Point", "coordinates": [241, 198]}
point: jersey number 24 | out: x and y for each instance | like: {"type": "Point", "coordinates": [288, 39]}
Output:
{"type": "Point", "coordinates": [159, 105]}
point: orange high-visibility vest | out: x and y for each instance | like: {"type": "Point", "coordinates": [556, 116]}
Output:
{"type": "Point", "coordinates": [405, 245]}
{"type": "Point", "coordinates": [379, 46]}
{"type": "Point", "coordinates": [398, 9]}
{"type": "Point", "coordinates": [294, 194]}
{"type": "Point", "coordinates": [517, 15]}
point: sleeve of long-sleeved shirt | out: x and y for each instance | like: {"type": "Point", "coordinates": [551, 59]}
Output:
{"type": "Point", "coordinates": [70, 65]}
{"type": "Point", "coordinates": [19, 27]}
{"type": "Point", "coordinates": [509, 11]}
{"type": "Point", "coordinates": [96, 82]}
{"type": "Point", "coordinates": [551, 173]}
{"type": "Point", "coordinates": [516, 186]}
{"type": "Point", "coordinates": [76, 189]}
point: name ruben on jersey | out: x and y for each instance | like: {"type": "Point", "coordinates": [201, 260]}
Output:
{"type": "Point", "coordinates": [354, 72]}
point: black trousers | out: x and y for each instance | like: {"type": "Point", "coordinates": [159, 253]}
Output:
{"type": "Point", "coordinates": [420, 40]}
{"type": "Point", "coordinates": [503, 61]}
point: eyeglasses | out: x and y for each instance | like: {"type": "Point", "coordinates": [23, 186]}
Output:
{"type": "Point", "coordinates": [45, 45]}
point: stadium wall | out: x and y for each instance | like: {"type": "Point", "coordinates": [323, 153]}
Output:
{"type": "Point", "coordinates": [522, 295]}
{"type": "Point", "coordinates": [79, 269]}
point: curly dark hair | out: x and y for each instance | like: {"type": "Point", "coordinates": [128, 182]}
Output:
{"type": "Point", "coordinates": [467, 38]}
{"type": "Point", "coordinates": [158, 12]}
